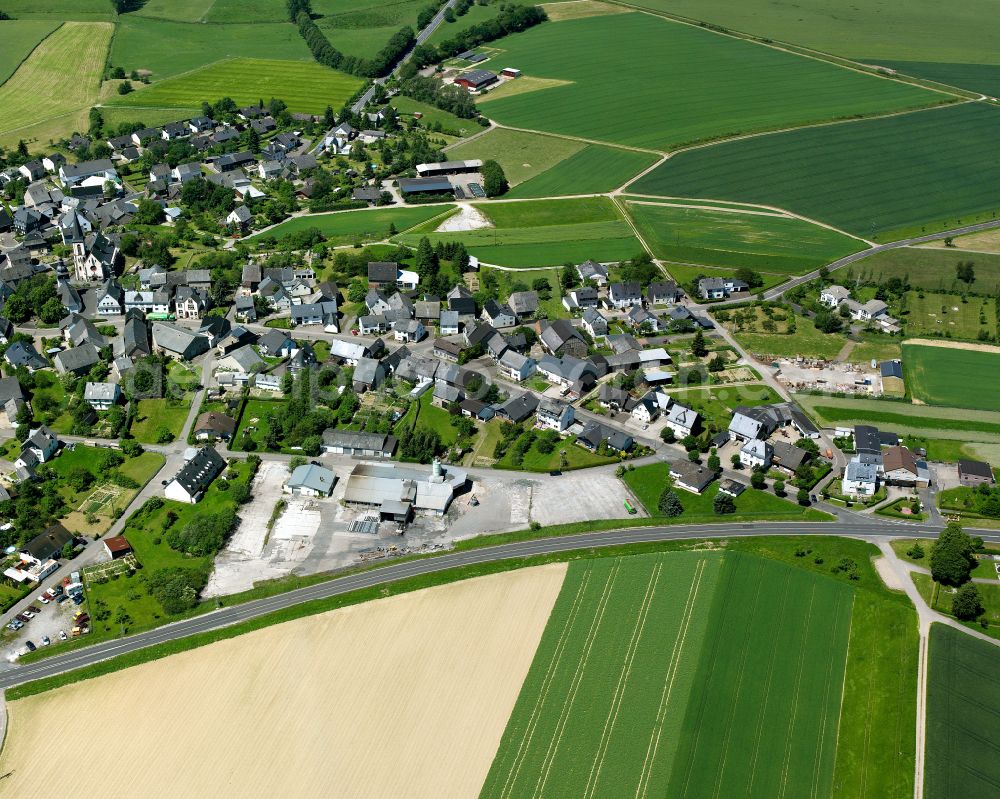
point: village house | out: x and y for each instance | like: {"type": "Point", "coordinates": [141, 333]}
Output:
{"type": "Point", "coordinates": [553, 414]}
{"type": "Point", "coordinates": [195, 476]}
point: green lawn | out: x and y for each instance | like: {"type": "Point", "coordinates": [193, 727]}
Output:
{"type": "Point", "coordinates": [713, 86]}
{"type": "Point", "coordinates": [169, 48]}
{"type": "Point", "coordinates": [183, 10]}
{"type": "Point", "coordinates": [304, 85]}
{"type": "Point", "coordinates": [963, 716]}
{"type": "Point", "coordinates": [576, 458]}
{"type": "Point", "coordinates": [431, 116]}
{"type": "Point", "coordinates": [362, 27]}
{"type": "Point", "coordinates": [716, 405]}
{"type": "Point", "coordinates": [155, 415]}
{"type": "Point", "coordinates": [929, 268]}
{"type": "Point", "coordinates": [17, 39]}
{"type": "Point", "coordinates": [763, 242]}
{"type": "Point", "coordinates": [948, 315]}
{"type": "Point", "coordinates": [824, 173]}
{"type": "Point", "coordinates": [254, 418]}
{"type": "Point", "coordinates": [546, 233]}
{"type": "Point", "coordinates": [806, 341]}
{"type": "Point", "coordinates": [647, 483]}
{"type": "Point", "coordinates": [358, 227]}
{"type": "Point", "coordinates": [436, 419]}
{"type": "Point", "coordinates": [940, 376]}
{"type": "Point", "coordinates": [551, 308]}
{"type": "Point", "coordinates": [920, 31]}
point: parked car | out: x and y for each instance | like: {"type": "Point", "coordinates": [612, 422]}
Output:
{"type": "Point", "coordinates": [15, 624]}
{"type": "Point", "coordinates": [62, 598]}
{"type": "Point", "coordinates": [29, 646]}
{"type": "Point", "coordinates": [34, 609]}
{"type": "Point", "coordinates": [44, 599]}
{"type": "Point", "coordinates": [78, 599]}
{"type": "Point", "coordinates": [46, 640]}
{"type": "Point", "coordinates": [62, 635]}
{"type": "Point", "coordinates": [23, 617]}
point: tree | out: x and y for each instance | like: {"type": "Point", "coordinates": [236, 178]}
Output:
{"type": "Point", "coordinates": [670, 504]}
{"type": "Point", "coordinates": [125, 88]}
{"type": "Point", "coordinates": [68, 550]}
{"type": "Point", "coordinates": [568, 277]}
{"type": "Point", "coordinates": [965, 271]}
{"type": "Point", "coordinates": [779, 488]}
{"type": "Point", "coordinates": [951, 556]}
{"type": "Point", "coordinates": [668, 435]}
{"type": "Point", "coordinates": [698, 348]}
{"type": "Point", "coordinates": [714, 463]}
{"type": "Point", "coordinates": [735, 460]}
{"type": "Point", "coordinates": [802, 497]}
{"type": "Point", "coordinates": [967, 604]}
{"type": "Point", "coordinates": [827, 322]}
{"type": "Point", "coordinates": [723, 504]}
{"type": "Point", "coordinates": [122, 618]}
{"type": "Point", "coordinates": [149, 213]}
{"type": "Point", "coordinates": [426, 261]}
{"type": "Point", "coordinates": [494, 180]}
{"type": "Point", "coordinates": [757, 479]}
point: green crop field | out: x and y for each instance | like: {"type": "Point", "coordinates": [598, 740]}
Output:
{"type": "Point", "coordinates": [963, 716]}
{"type": "Point", "coordinates": [652, 83]}
{"type": "Point", "coordinates": [967, 34]}
{"type": "Point", "coordinates": [522, 155]}
{"type": "Point", "coordinates": [256, 11]}
{"type": "Point", "coordinates": [940, 376]}
{"type": "Point", "coordinates": [983, 78]}
{"type": "Point", "coordinates": [675, 674]}
{"type": "Point", "coordinates": [825, 173]}
{"type": "Point", "coordinates": [84, 10]}
{"type": "Point", "coordinates": [594, 169]}
{"type": "Point", "coordinates": [169, 48]}
{"type": "Point", "coordinates": [362, 27]}
{"type": "Point", "coordinates": [181, 10]}
{"type": "Point", "coordinates": [62, 75]}
{"type": "Point", "coordinates": [347, 227]}
{"type": "Point", "coordinates": [304, 85]}
{"type": "Point", "coordinates": [17, 39]}
{"type": "Point", "coordinates": [538, 233]}
{"type": "Point", "coordinates": [928, 268]}
{"type": "Point", "coordinates": [764, 242]}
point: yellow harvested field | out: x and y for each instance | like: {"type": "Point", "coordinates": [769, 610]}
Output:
{"type": "Point", "coordinates": [578, 9]}
{"type": "Point", "coordinates": [404, 696]}
{"type": "Point", "coordinates": [983, 241]}
{"type": "Point", "coordinates": [60, 77]}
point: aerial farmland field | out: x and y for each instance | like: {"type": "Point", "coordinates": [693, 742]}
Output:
{"type": "Point", "coordinates": [763, 241]}
{"type": "Point", "coordinates": [539, 233]}
{"type": "Point", "coordinates": [714, 86]}
{"type": "Point", "coordinates": [349, 227]}
{"type": "Point", "coordinates": [594, 169]}
{"type": "Point", "coordinates": [17, 39]}
{"type": "Point", "coordinates": [939, 375]}
{"type": "Point", "coordinates": [933, 268]}
{"type": "Point", "coordinates": [825, 173]}
{"type": "Point", "coordinates": [304, 85]}
{"type": "Point", "coordinates": [375, 688]}
{"type": "Point", "coordinates": [84, 10]}
{"type": "Point", "coordinates": [521, 154]}
{"type": "Point", "coordinates": [169, 48]}
{"type": "Point", "coordinates": [62, 75]}
{"type": "Point", "coordinates": [966, 35]}
{"type": "Point", "coordinates": [963, 716]}
{"type": "Point", "coordinates": [642, 682]}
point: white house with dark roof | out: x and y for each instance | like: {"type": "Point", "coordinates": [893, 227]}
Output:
{"type": "Point", "coordinates": [195, 476]}
{"type": "Point", "coordinates": [553, 414]}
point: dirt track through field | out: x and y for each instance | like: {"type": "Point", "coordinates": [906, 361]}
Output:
{"type": "Point", "coordinates": [405, 696]}
{"type": "Point", "coordinates": [953, 345]}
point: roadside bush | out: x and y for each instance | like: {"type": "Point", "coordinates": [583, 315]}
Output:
{"type": "Point", "coordinates": [176, 589]}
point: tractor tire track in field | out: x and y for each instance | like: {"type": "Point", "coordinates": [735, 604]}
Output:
{"type": "Point", "coordinates": [616, 700]}
{"type": "Point", "coordinates": [595, 626]}
{"type": "Point", "coordinates": [739, 687]}
{"type": "Point", "coordinates": [642, 789]}
{"type": "Point", "coordinates": [795, 697]}
{"type": "Point", "coordinates": [536, 712]}
{"type": "Point", "coordinates": [758, 734]}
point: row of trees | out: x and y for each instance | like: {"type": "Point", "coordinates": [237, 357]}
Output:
{"type": "Point", "coordinates": [511, 19]}
{"type": "Point", "coordinates": [328, 55]}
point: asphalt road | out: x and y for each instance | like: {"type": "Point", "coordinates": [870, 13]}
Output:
{"type": "Point", "coordinates": [224, 617]}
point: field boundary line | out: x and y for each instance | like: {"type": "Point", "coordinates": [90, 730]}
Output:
{"type": "Point", "coordinates": [618, 145]}
{"type": "Point", "coordinates": [790, 736]}
{"type": "Point", "coordinates": [775, 214]}
{"type": "Point", "coordinates": [767, 693]}
{"type": "Point", "coordinates": [581, 668]}
{"type": "Point", "coordinates": [739, 685]}
{"type": "Point", "coordinates": [616, 699]}
{"type": "Point", "coordinates": [843, 685]}
{"type": "Point", "coordinates": [550, 672]}
{"type": "Point", "coordinates": [673, 666]}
